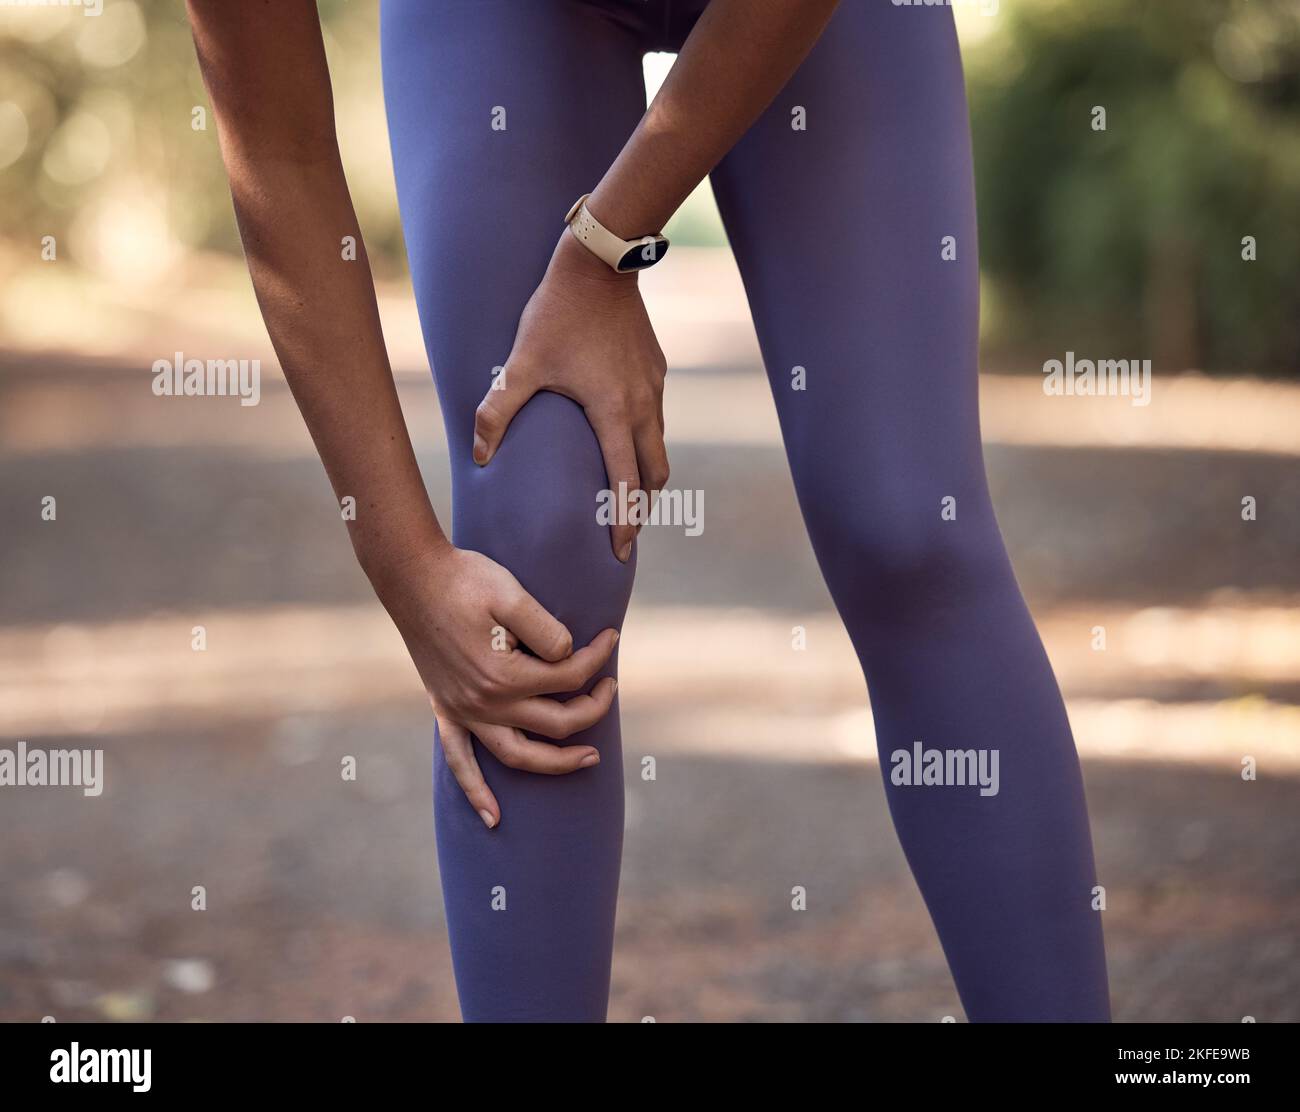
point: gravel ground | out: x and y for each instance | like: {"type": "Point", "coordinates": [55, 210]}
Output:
{"type": "Point", "coordinates": [322, 896]}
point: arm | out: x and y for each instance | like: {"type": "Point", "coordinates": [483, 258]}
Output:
{"type": "Point", "coordinates": [271, 96]}
{"type": "Point", "coordinates": [585, 333]}
{"type": "Point", "coordinates": [739, 56]}
{"type": "Point", "coordinates": [265, 70]}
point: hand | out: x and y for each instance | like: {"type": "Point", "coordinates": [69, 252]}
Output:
{"type": "Point", "coordinates": [463, 618]}
{"type": "Point", "coordinates": [585, 334]}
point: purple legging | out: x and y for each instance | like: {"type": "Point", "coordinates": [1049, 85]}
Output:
{"type": "Point", "coordinates": [839, 229]}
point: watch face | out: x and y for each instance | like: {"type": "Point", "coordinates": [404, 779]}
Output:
{"type": "Point", "coordinates": [646, 253]}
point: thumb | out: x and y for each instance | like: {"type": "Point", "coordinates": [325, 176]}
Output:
{"type": "Point", "coordinates": [506, 397]}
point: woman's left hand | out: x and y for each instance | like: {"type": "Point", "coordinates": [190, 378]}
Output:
{"type": "Point", "coordinates": [585, 334]}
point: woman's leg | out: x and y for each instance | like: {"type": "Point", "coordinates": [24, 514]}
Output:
{"type": "Point", "coordinates": [841, 233]}
{"type": "Point", "coordinates": [500, 114]}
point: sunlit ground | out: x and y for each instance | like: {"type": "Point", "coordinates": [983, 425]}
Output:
{"type": "Point", "coordinates": [223, 763]}
{"type": "Point", "coordinates": [82, 676]}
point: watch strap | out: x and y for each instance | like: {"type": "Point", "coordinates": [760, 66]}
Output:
{"type": "Point", "coordinates": [612, 249]}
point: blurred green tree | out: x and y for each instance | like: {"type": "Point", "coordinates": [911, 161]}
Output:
{"type": "Point", "coordinates": [1129, 240]}
{"type": "Point", "coordinates": [107, 141]}
{"type": "Point", "coordinates": [1126, 241]}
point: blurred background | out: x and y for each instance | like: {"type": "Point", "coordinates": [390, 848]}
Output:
{"type": "Point", "coordinates": [223, 765]}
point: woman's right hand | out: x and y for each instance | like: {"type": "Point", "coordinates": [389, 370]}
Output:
{"type": "Point", "coordinates": [464, 618]}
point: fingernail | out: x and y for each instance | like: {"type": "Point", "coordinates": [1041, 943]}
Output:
{"type": "Point", "coordinates": [613, 687]}
{"type": "Point", "coordinates": [487, 818]}
{"type": "Point", "coordinates": [480, 449]}
{"type": "Point", "coordinates": [625, 552]}
{"type": "Point", "coordinates": [617, 635]}
{"type": "Point", "coordinates": [589, 760]}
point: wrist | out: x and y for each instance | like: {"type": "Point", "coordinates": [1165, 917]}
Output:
{"type": "Point", "coordinates": [393, 565]}
{"type": "Point", "coordinates": [572, 261]}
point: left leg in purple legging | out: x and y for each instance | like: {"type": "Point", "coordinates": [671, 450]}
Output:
{"type": "Point", "coordinates": [840, 231]}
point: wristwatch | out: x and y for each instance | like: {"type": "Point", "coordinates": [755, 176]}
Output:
{"type": "Point", "coordinates": [622, 255]}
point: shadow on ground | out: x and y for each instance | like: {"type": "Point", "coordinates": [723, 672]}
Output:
{"type": "Point", "coordinates": [322, 896]}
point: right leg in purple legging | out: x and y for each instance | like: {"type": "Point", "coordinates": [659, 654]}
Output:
{"type": "Point", "coordinates": [482, 209]}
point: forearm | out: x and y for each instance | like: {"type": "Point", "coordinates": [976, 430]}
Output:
{"type": "Point", "coordinates": [265, 70]}
{"type": "Point", "coordinates": [323, 321]}
{"type": "Point", "coordinates": [739, 56]}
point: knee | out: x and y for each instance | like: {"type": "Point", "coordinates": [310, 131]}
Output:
{"type": "Point", "coordinates": [533, 509]}
{"type": "Point", "coordinates": [893, 552]}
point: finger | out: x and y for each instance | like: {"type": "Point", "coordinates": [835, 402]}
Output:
{"type": "Point", "coordinates": [619, 453]}
{"type": "Point", "coordinates": [459, 753]}
{"type": "Point", "coordinates": [535, 626]}
{"type": "Point", "coordinates": [506, 397]}
{"type": "Point", "coordinates": [526, 675]}
{"type": "Point", "coordinates": [511, 748]}
{"type": "Point", "coordinates": [559, 720]}
{"type": "Point", "coordinates": [652, 461]}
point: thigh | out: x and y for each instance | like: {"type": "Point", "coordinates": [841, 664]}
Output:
{"type": "Point", "coordinates": [837, 203]}
{"type": "Point", "coordinates": [501, 113]}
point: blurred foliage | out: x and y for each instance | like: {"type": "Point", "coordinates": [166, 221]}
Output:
{"type": "Point", "coordinates": [1126, 241]}
{"type": "Point", "coordinates": [1129, 240]}
{"type": "Point", "coordinates": [98, 145]}
{"type": "Point", "coordinates": [95, 121]}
